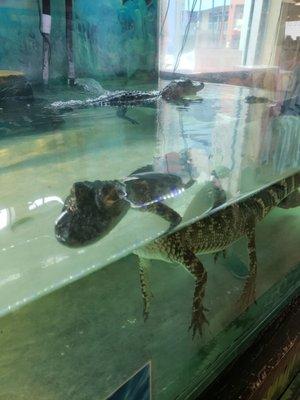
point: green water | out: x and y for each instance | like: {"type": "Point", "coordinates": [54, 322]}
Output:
{"type": "Point", "coordinates": [84, 340]}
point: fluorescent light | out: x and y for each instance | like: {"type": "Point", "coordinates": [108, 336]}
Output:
{"type": "Point", "coordinates": [4, 218]}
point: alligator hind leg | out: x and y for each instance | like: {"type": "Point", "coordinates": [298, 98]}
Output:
{"type": "Point", "coordinates": [121, 113]}
{"type": "Point", "coordinates": [248, 295]}
{"type": "Point", "coordinates": [198, 316]}
{"type": "Point", "coordinates": [165, 212]}
{"type": "Point", "coordinates": [145, 286]}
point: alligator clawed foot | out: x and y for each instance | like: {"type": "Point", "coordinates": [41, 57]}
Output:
{"type": "Point", "coordinates": [145, 315]}
{"type": "Point", "coordinates": [198, 321]}
{"type": "Point", "coordinates": [248, 296]}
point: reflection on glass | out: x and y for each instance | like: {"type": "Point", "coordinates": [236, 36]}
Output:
{"type": "Point", "coordinates": [44, 200]}
{"type": "Point", "coordinates": [199, 161]}
{"type": "Point", "coordinates": [209, 35]}
{"type": "Point", "coordinates": [7, 216]}
{"type": "Point", "coordinates": [246, 144]}
{"type": "Point", "coordinates": [4, 218]}
{"type": "Point", "coordinates": [225, 35]}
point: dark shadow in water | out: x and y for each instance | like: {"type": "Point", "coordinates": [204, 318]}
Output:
{"type": "Point", "coordinates": [20, 118]}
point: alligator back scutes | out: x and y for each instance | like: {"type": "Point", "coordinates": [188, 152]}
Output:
{"type": "Point", "coordinates": [217, 231]}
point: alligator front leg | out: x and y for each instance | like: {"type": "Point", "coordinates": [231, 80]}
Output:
{"type": "Point", "coordinates": [196, 268]}
{"type": "Point", "coordinates": [145, 286]}
{"type": "Point", "coordinates": [173, 249]}
{"type": "Point", "coordinates": [190, 261]}
{"type": "Point", "coordinates": [248, 294]}
{"type": "Point", "coordinates": [121, 113]}
{"type": "Point", "coordinates": [165, 212]}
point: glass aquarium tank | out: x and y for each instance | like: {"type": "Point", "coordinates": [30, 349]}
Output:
{"type": "Point", "coordinates": [150, 173]}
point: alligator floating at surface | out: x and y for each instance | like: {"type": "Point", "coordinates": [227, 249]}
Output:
{"type": "Point", "coordinates": [174, 92]}
{"type": "Point", "coordinates": [93, 209]}
{"type": "Point", "coordinates": [213, 234]}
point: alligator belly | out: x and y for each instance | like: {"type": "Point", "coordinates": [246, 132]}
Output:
{"type": "Point", "coordinates": [152, 251]}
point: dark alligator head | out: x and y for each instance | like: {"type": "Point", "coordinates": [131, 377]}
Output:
{"type": "Point", "coordinates": [178, 89]}
{"type": "Point", "coordinates": [90, 212]}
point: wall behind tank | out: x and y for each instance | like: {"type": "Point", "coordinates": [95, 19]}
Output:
{"type": "Point", "coordinates": [109, 38]}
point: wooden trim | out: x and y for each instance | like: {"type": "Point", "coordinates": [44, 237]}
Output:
{"type": "Point", "coordinates": [267, 367]}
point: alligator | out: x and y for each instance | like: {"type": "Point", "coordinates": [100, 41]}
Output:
{"type": "Point", "coordinates": [175, 92]}
{"type": "Point", "coordinates": [215, 233]}
{"type": "Point", "coordinates": [289, 106]}
{"type": "Point", "coordinates": [23, 114]}
{"type": "Point", "coordinates": [256, 99]}
{"type": "Point", "coordinates": [93, 209]}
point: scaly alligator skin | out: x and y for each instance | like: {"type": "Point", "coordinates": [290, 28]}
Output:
{"type": "Point", "coordinates": [213, 234]}
{"type": "Point", "coordinates": [93, 209]}
{"type": "Point", "coordinates": [174, 92]}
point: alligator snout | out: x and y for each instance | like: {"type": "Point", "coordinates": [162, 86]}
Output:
{"type": "Point", "coordinates": [90, 212]}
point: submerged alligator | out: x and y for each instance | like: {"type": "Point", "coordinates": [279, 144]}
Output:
{"type": "Point", "coordinates": [215, 233]}
{"type": "Point", "coordinates": [83, 222]}
{"type": "Point", "coordinates": [175, 92]}
{"type": "Point", "coordinates": [93, 209]}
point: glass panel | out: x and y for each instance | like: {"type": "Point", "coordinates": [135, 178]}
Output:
{"type": "Point", "coordinates": [90, 337]}
{"type": "Point", "coordinates": [203, 35]}
{"type": "Point", "coordinates": [38, 171]}
{"type": "Point", "coordinates": [70, 205]}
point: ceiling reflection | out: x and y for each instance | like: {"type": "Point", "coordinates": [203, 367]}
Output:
{"type": "Point", "coordinates": [44, 200]}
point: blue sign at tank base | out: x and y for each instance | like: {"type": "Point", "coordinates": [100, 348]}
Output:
{"type": "Point", "coordinates": [138, 387]}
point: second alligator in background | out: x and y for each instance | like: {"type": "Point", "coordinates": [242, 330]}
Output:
{"type": "Point", "coordinates": [175, 92]}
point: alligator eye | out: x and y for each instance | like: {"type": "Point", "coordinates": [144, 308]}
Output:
{"type": "Point", "coordinates": [107, 195]}
{"type": "Point", "coordinates": [110, 197]}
